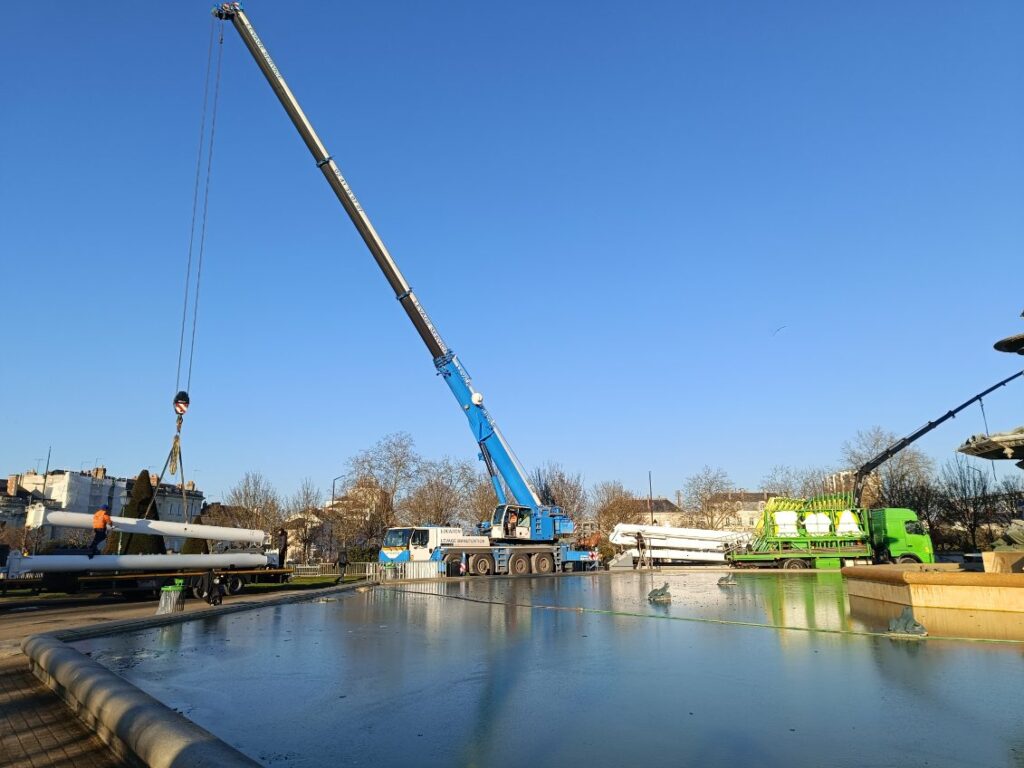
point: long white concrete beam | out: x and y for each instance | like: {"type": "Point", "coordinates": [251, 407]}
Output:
{"type": "Point", "coordinates": [18, 564]}
{"type": "Point", "coordinates": [158, 527]}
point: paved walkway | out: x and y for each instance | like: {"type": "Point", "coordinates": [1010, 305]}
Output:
{"type": "Point", "coordinates": [37, 730]}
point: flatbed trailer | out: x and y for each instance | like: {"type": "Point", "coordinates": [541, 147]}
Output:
{"type": "Point", "coordinates": [144, 585]}
{"type": "Point", "coordinates": [35, 583]}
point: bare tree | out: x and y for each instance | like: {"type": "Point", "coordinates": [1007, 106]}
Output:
{"type": "Point", "coordinates": [556, 486]}
{"type": "Point", "coordinates": [967, 500]}
{"type": "Point", "coordinates": [792, 482]}
{"type": "Point", "coordinates": [782, 480]}
{"type": "Point", "coordinates": [1010, 503]}
{"type": "Point", "coordinates": [388, 471]}
{"type": "Point", "coordinates": [612, 504]}
{"type": "Point", "coordinates": [440, 493]}
{"type": "Point", "coordinates": [706, 498]}
{"type": "Point", "coordinates": [907, 468]}
{"type": "Point", "coordinates": [256, 502]}
{"type": "Point", "coordinates": [304, 517]}
{"type": "Point", "coordinates": [480, 499]}
{"type": "Point", "coordinates": [354, 517]}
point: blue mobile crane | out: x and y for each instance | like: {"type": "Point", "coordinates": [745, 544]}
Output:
{"type": "Point", "coordinates": [524, 534]}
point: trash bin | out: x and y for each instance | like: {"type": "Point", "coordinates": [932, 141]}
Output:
{"type": "Point", "coordinates": [172, 598]}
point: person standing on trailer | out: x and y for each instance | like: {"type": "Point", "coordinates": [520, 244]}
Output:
{"type": "Point", "coordinates": [100, 523]}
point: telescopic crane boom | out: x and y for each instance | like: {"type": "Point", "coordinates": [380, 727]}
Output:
{"type": "Point", "coordinates": [511, 485]}
{"type": "Point", "coordinates": [876, 461]}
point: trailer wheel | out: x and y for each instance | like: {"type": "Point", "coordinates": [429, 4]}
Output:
{"type": "Point", "coordinates": [905, 559]}
{"type": "Point", "coordinates": [481, 565]}
{"type": "Point", "coordinates": [235, 585]}
{"type": "Point", "coordinates": [543, 563]}
{"type": "Point", "coordinates": [519, 564]}
{"type": "Point", "coordinates": [795, 563]}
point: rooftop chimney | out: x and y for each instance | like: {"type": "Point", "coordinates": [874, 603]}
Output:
{"type": "Point", "coordinates": [12, 485]}
{"type": "Point", "coordinates": [99, 472]}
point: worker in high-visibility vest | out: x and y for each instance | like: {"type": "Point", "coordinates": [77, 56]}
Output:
{"type": "Point", "coordinates": [100, 522]}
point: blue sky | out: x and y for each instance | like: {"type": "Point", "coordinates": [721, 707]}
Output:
{"type": "Point", "coordinates": [607, 208]}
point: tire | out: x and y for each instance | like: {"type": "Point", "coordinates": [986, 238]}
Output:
{"type": "Point", "coordinates": [519, 564]}
{"type": "Point", "coordinates": [906, 559]}
{"type": "Point", "coordinates": [482, 565]}
{"type": "Point", "coordinates": [795, 564]}
{"type": "Point", "coordinates": [451, 564]}
{"type": "Point", "coordinates": [543, 563]}
{"type": "Point", "coordinates": [235, 585]}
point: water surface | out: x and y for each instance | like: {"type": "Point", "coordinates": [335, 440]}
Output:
{"type": "Point", "coordinates": [581, 671]}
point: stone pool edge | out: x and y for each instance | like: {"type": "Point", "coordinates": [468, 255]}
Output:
{"type": "Point", "coordinates": [137, 728]}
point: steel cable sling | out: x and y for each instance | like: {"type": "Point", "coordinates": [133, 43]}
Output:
{"type": "Point", "coordinates": [181, 402]}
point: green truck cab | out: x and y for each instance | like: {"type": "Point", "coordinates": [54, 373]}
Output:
{"type": "Point", "coordinates": [827, 532]}
{"type": "Point", "coordinates": [898, 536]}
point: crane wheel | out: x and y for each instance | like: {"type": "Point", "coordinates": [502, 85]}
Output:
{"type": "Point", "coordinates": [543, 563]}
{"type": "Point", "coordinates": [481, 565]}
{"type": "Point", "coordinates": [795, 564]}
{"type": "Point", "coordinates": [519, 564]}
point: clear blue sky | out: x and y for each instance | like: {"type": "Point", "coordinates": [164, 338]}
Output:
{"type": "Point", "coordinates": [608, 209]}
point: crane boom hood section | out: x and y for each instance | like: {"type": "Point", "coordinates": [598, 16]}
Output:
{"type": "Point", "coordinates": [502, 464]}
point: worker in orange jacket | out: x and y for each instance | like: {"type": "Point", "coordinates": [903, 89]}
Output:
{"type": "Point", "coordinates": [100, 523]}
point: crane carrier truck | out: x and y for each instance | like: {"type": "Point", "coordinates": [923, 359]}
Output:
{"type": "Point", "coordinates": [523, 535]}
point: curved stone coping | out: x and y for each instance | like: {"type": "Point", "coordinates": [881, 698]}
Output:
{"type": "Point", "coordinates": [136, 726]}
{"type": "Point", "coordinates": [139, 729]}
{"type": "Point", "coordinates": [893, 574]}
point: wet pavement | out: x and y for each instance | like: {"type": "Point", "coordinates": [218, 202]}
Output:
{"type": "Point", "coordinates": [583, 670]}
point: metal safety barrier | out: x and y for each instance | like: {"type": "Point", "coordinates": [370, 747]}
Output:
{"type": "Point", "coordinates": [396, 571]}
{"type": "Point", "coordinates": [322, 569]}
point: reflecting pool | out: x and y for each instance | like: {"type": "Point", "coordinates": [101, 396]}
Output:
{"type": "Point", "coordinates": [582, 670]}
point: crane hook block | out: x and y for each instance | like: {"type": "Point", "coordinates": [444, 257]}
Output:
{"type": "Point", "coordinates": [181, 403]}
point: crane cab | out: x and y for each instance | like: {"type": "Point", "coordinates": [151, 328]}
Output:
{"type": "Point", "coordinates": [514, 522]}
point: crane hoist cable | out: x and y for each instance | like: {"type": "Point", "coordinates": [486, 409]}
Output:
{"type": "Point", "coordinates": [181, 402]}
{"type": "Point", "coordinates": [984, 418]}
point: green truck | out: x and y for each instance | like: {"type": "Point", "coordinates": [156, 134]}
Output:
{"type": "Point", "coordinates": [829, 532]}
{"type": "Point", "coordinates": [833, 530]}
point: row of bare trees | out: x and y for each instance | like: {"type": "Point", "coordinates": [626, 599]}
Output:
{"type": "Point", "coordinates": [391, 484]}
{"type": "Point", "coordinates": [964, 503]}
